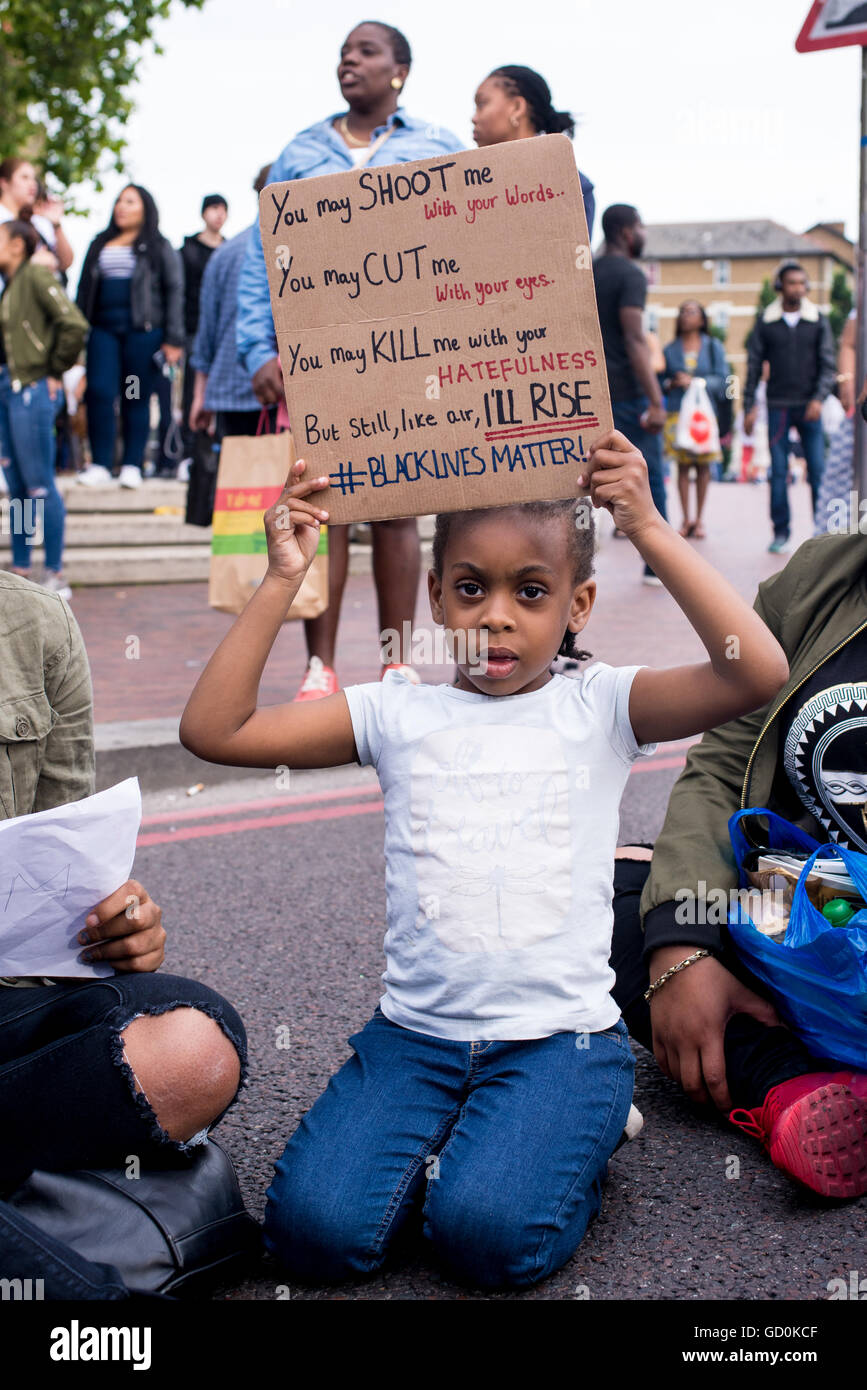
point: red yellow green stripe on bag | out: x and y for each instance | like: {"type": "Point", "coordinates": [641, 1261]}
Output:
{"type": "Point", "coordinates": [239, 527]}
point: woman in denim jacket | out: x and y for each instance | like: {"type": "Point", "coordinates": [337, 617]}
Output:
{"type": "Point", "coordinates": [692, 352]}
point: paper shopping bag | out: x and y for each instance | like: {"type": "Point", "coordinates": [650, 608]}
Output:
{"type": "Point", "coordinates": [251, 476]}
{"type": "Point", "coordinates": [697, 430]}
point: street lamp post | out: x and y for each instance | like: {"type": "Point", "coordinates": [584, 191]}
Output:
{"type": "Point", "coordinates": [860, 458]}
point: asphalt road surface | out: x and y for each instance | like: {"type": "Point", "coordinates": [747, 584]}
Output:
{"type": "Point", "coordinates": [275, 897]}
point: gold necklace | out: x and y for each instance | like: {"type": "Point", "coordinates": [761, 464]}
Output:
{"type": "Point", "coordinates": [349, 137]}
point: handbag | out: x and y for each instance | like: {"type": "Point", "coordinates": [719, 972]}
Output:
{"type": "Point", "coordinates": [817, 975]}
{"type": "Point", "coordinates": [202, 485]}
{"type": "Point", "coordinates": [697, 431]}
{"type": "Point", "coordinates": [252, 472]}
{"type": "Point", "coordinates": [168, 1231]}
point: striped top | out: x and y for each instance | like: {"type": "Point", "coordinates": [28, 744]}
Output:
{"type": "Point", "coordinates": [116, 262]}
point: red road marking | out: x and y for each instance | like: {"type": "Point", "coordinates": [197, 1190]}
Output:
{"type": "Point", "coordinates": [266, 804]}
{"type": "Point", "coordinates": [197, 832]}
{"type": "Point", "coordinates": [657, 764]}
{"type": "Point", "coordinates": [300, 817]}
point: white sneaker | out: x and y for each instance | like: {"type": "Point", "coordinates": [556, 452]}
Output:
{"type": "Point", "coordinates": [94, 476]}
{"type": "Point", "coordinates": [633, 1127]}
{"type": "Point", "coordinates": [183, 473]}
{"type": "Point", "coordinates": [56, 584]}
{"type": "Point", "coordinates": [634, 1122]}
{"type": "Point", "coordinates": [130, 476]}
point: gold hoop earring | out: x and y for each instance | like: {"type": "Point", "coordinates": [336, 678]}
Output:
{"type": "Point", "coordinates": [396, 83]}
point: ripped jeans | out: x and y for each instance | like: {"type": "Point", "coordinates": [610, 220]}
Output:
{"type": "Point", "coordinates": [67, 1096]}
{"type": "Point", "coordinates": [27, 451]}
{"type": "Point", "coordinates": [67, 1100]}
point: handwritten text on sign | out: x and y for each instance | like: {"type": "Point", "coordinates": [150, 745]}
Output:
{"type": "Point", "coordinates": [437, 329]}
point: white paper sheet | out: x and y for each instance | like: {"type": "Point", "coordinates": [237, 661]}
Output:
{"type": "Point", "coordinates": [55, 866]}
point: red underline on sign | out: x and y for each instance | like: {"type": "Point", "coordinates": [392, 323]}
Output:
{"type": "Point", "coordinates": [585, 423]}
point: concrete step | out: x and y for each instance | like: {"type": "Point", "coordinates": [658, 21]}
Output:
{"type": "Point", "coordinates": [112, 498]}
{"type": "Point", "coordinates": [118, 565]}
{"type": "Point", "coordinates": [125, 529]}
{"type": "Point", "coordinates": [113, 536]}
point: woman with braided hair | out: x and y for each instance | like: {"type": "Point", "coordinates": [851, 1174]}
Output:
{"type": "Point", "coordinates": [514, 103]}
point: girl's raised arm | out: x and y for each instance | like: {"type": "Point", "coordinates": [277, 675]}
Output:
{"type": "Point", "coordinates": [746, 666]}
{"type": "Point", "coordinates": [222, 722]}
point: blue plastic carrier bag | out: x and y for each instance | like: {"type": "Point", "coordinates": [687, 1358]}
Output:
{"type": "Point", "coordinates": [817, 975]}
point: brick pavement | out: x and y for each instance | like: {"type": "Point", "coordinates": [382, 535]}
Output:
{"type": "Point", "coordinates": [177, 631]}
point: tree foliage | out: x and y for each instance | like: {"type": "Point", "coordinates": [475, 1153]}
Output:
{"type": "Point", "coordinates": [65, 74]}
{"type": "Point", "coordinates": [841, 302]}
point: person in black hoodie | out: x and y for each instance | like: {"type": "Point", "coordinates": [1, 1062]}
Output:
{"type": "Point", "coordinates": [195, 254]}
{"type": "Point", "coordinates": [131, 290]}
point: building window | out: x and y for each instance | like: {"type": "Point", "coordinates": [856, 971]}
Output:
{"type": "Point", "coordinates": [651, 316]}
{"type": "Point", "coordinates": [719, 316]}
{"type": "Point", "coordinates": [651, 271]}
{"type": "Point", "coordinates": [722, 272]}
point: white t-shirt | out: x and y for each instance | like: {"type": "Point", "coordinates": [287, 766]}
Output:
{"type": "Point", "coordinates": [792, 317]}
{"type": "Point", "coordinates": [42, 225]}
{"type": "Point", "coordinates": [501, 821]}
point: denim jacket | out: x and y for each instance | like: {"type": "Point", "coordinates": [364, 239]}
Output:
{"type": "Point", "coordinates": [711, 365]}
{"type": "Point", "coordinates": [320, 150]}
{"type": "Point", "coordinates": [46, 703]}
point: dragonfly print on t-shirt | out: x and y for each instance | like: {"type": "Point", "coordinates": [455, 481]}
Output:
{"type": "Point", "coordinates": [491, 833]}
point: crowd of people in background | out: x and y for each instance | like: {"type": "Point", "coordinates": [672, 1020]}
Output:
{"type": "Point", "coordinates": [192, 329]}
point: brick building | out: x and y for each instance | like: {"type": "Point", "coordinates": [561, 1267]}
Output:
{"type": "Point", "coordinates": [724, 264]}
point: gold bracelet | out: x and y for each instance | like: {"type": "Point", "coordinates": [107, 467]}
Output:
{"type": "Point", "coordinates": [674, 970]}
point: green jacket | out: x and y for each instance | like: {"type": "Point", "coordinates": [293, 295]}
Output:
{"type": "Point", "coordinates": [813, 607]}
{"type": "Point", "coordinates": [46, 702]}
{"type": "Point", "coordinates": [43, 331]}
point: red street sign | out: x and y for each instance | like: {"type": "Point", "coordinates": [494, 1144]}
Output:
{"type": "Point", "coordinates": [833, 24]}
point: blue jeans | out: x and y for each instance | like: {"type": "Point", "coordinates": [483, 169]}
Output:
{"type": "Point", "coordinates": [28, 446]}
{"type": "Point", "coordinates": [810, 433]}
{"type": "Point", "coordinates": [119, 364]}
{"type": "Point", "coordinates": [627, 419]}
{"type": "Point", "coordinates": [498, 1148]}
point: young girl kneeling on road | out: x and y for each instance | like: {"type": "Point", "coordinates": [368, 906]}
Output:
{"type": "Point", "coordinates": [492, 1085]}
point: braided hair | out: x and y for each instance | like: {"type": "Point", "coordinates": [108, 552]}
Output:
{"type": "Point", "coordinates": [524, 82]}
{"type": "Point", "coordinates": [581, 545]}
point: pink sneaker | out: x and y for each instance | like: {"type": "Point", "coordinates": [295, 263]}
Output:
{"type": "Point", "coordinates": [321, 680]}
{"type": "Point", "coordinates": [409, 671]}
{"type": "Point", "coordinates": [815, 1129]}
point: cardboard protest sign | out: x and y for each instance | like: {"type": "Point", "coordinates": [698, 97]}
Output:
{"type": "Point", "coordinates": [437, 329]}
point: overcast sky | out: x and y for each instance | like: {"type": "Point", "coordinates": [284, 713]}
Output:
{"type": "Point", "coordinates": [689, 110]}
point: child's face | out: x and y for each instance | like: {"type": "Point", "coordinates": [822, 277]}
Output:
{"type": "Point", "coordinates": [507, 593]}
